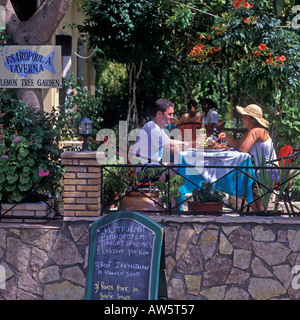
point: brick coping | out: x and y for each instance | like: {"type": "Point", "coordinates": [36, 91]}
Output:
{"type": "Point", "coordinates": [81, 155]}
{"type": "Point", "coordinates": [224, 219]}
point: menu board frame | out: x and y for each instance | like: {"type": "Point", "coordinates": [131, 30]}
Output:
{"type": "Point", "coordinates": [154, 282]}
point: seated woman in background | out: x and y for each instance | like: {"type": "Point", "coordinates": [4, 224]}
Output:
{"type": "Point", "coordinates": [192, 115]}
{"type": "Point", "coordinates": [256, 141]}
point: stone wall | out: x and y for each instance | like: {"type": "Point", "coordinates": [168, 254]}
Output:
{"type": "Point", "coordinates": [206, 257]}
{"type": "Point", "coordinates": [44, 262]}
{"type": "Point", "coordinates": [232, 258]}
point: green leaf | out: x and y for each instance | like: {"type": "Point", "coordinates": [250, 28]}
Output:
{"type": "Point", "coordinates": [25, 187]}
{"type": "Point", "coordinates": [278, 5]}
{"type": "Point", "coordinates": [12, 178]}
{"type": "Point", "coordinates": [24, 179]}
{"type": "Point", "coordinates": [16, 196]}
{"type": "Point", "coordinates": [10, 187]}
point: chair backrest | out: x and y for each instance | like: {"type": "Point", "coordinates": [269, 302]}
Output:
{"type": "Point", "coordinates": [192, 127]}
{"type": "Point", "coordinates": [284, 152]}
{"type": "Point", "coordinates": [221, 125]}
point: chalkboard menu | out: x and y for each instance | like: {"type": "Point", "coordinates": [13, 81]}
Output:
{"type": "Point", "coordinates": [126, 258]}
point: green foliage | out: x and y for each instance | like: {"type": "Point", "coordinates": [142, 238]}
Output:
{"type": "Point", "coordinates": [112, 81]}
{"type": "Point", "coordinates": [249, 42]}
{"type": "Point", "coordinates": [121, 29]}
{"type": "Point", "coordinates": [207, 193]}
{"type": "Point", "coordinates": [79, 103]}
{"type": "Point", "coordinates": [29, 157]}
{"type": "Point", "coordinates": [171, 188]}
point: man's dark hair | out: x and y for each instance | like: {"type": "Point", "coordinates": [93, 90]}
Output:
{"type": "Point", "coordinates": [161, 105]}
{"type": "Point", "coordinates": [192, 103]}
{"type": "Point", "coordinates": [210, 103]}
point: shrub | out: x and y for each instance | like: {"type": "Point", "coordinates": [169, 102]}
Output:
{"type": "Point", "coordinates": [29, 156]}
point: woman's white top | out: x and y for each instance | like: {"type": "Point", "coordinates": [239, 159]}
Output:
{"type": "Point", "coordinates": [263, 149]}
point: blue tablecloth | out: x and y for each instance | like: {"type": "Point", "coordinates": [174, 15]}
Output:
{"type": "Point", "coordinates": [233, 182]}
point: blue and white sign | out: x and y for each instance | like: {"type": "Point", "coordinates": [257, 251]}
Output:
{"type": "Point", "coordinates": [30, 67]}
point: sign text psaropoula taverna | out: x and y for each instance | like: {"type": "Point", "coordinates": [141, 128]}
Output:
{"type": "Point", "coordinates": [30, 67]}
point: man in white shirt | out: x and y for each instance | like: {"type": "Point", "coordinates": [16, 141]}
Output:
{"type": "Point", "coordinates": [211, 116]}
{"type": "Point", "coordinates": [152, 141]}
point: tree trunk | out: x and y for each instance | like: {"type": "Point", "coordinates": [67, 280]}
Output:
{"type": "Point", "coordinates": [37, 30]}
{"type": "Point", "coordinates": [133, 77]}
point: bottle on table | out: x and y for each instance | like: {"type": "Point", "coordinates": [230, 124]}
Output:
{"type": "Point", "coordinates": [202, 136]}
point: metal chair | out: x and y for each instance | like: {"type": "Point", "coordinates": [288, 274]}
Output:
{"type": "Point", "coordinates": [286, 176]}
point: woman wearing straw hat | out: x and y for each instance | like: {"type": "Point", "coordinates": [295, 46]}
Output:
{"type": "Point", "coordinates": [256, 141]}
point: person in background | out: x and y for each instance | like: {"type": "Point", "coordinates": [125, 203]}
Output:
{"type": "Point", "coordinates": [256, 141]}
{"type": "Point", "coordinates": [210, 116]}
{"type": "Point", "coordinates": [192, 115]}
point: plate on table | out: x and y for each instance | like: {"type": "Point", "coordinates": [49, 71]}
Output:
{"type": "Point", "coordinates": [215, 150]}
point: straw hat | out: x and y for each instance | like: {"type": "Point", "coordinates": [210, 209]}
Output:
{"type": "Point", "coordinates": [254, 111]}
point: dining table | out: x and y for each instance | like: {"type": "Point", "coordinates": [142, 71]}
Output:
{"type": "Point", "coordinates": [229, 170]}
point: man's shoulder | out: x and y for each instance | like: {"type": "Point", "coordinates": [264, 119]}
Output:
{"type": "Point", "coordinates": [149, 125]}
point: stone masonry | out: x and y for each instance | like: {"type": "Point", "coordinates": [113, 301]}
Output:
{"type": "Point", "coordinates": [215, 258]}
{"type": "Point", "coordinates": [232, 258]}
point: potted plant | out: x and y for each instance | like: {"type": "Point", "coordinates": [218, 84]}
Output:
{"type": "Point", "coordinates": [206, 200]}
{"type": "Point", "coordinates": [132, 188]}
{"type": "Point", "coordinates": [170, 189]}
{"type": "Point", "coordinates": [140, 190]}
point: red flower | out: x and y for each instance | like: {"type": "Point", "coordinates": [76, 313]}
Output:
{"type": "Point", "coordinates": [238, 3]}
{"type": "Point", "coordinates": [247, 5]}
{"type": "Point", "coordinates": [282, 58]}
{"type": "Point", "coordinates": [262, 47]}
{"type": "Point", "coordinates": [269, 61]}
{"type": "Point", "coordinates": [246, 20]}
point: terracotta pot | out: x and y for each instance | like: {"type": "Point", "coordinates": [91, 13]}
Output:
{"type": "Point", "coordinates": [138, 202]}
{"type": "Point", "coordinates": [205, 208]}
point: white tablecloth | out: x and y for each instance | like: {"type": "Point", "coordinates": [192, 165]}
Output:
{"type": "Point", "coordinates": [200, 159]}
{"type": "Point", "coordinates": [235, 182]}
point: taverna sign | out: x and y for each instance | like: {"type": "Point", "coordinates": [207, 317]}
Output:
{"type": "Point", "coordinates": [30, 67]}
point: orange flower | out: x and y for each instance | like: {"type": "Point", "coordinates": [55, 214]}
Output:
{"type": "Point", "coordinates": [257, 53]}
{"type": "Point", "coordinates": [262, 47]}
{"type": "Point", "coordinates": [246, 20]}
{"type": "Point", "coordinates": [282, 58]}
{"type": "Point", "coordinates": [269, 61]}
{"type": "Point", "coordinates": [277, 58]}
{"type": "Point", "coordinates": [217, 49]}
